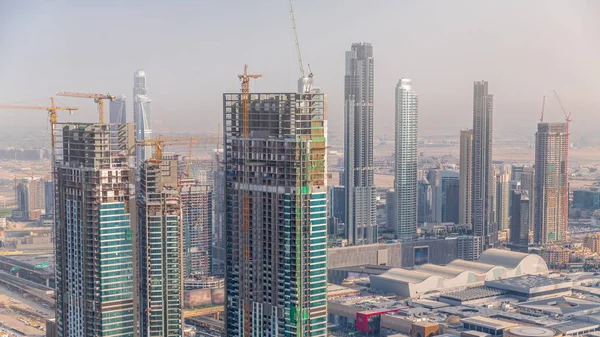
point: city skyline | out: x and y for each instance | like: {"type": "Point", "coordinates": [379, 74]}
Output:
{"type": "Point", "coordinates": [444, 58]}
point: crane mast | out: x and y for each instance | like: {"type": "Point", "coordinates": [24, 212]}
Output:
{"type": "Point", "coordinates": [306, 83]}
{"type": "Point", "coordinates": [245, 98]}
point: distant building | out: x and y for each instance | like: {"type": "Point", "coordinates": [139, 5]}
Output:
{"type": "Point", "coordinates": [446, 194]}
{"type": "Point", "coordinates": [31, 199]}
{"type": "Point", "coordinates": [337, 208]}
{"type": "Point", "coordinates": [465, 215]}
{"type": "Point", "coordinates": [503, 200]}
{"type": "Point", "coordinates": [528, 185]}
{"type": "Point", "coordinates": [519, 222]}
{"type": "Point", "coordinates": [556, 256]}
{"type": "Point", "coordinates": [483, 173]}
{"type": "Point", "coordinates": [141, 117]}
{"type": "Point", "coordinates": [424, 201]}
{"type": "Point", "coordinates": [592, 242]}
{"type": "Point", "coordinates": [405, 179]}
{"type": "Point", "coordinates": [49, 198]}
{"type": "Point", "coordinates": [551, 183]}
{"type": "Point", "coordinates": [390, 210]}
{"type": "Point", "coordinates": [361, 216]}
{"type": "Point", "coordinates": [469, 247]}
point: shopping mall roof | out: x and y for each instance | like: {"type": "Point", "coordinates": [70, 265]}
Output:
{"type": "Point", "coordinates": [458, 273]}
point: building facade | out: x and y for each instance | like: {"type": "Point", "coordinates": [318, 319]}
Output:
{"type": "Point", "coordinates": [159, 240]}
{"type": "Point", "coordinates": [407, 104]}
{"type": "Point", "coordinates": [465, 216]}
{"type": "Point", "coordinates": [49, 198]}
{"type": "Point", "coordinates": [276, 219]}
{"type": "Point", "coordinates": [446, 193]}
{"type": "Point", "coordinates": [141, 117]}
{"type": "Point", "coordinates": [519, 221]}
{"type": "Point", "coordinates": [361, 216]}
{"type": "Point", "coordinates": [528, 185]}
{"type": "Point", "coordinates": [197, 217]}
{"type": "Point", "coordinates": [483, 172]}
{"type": "Point", "coordinates": [337, 208]}
{"type": "Point", "coordinates": [502, 200]}
{"type": "Point", "coordinates": [93, 231]}
{"type": "Point", "coordinates": [551, 183]}
{"type": "Point", "coordinates": [30, 198]}
{"type": "Point", "coordinates": [424, 201]}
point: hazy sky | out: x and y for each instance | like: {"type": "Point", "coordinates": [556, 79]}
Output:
{"type": "Point", "coordinates": [193, 50]}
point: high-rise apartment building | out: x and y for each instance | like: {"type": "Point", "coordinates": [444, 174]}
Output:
{"type": "Point", "coordinates": [424, 201]}
{"type": "Point", "coordinates": [519, 222]}
{"type": "Point", "coordinates": [528, 185]}
{"type": "Point", "coordinates": [219, 209]}
{"type": "Point", "coordinates": [49, 198]}
{"type": "Point", "coordinates": [407, 105]}
{"type": "Point", "coordinates": [197, 213]}
{"type": "Point", "coordinates": [141, 117]}
{"type": "Point", "coordinates": [30, 198]}
{"type": "Point", "coordinates": [503, 200]}
{"type": "Point", "coordinates": [483, 222]}
{"type": "Point", "coordinates": [445, 194]}
{"type": "Point", "coordinates": [465, 216]}
{"type": "Point", "coordinates": [159, 238]}
{"type": "Point", "coordinates": [551, 183]}
{"type": "Point", "coordinates": [118, 110]}
{"type": "Point", "coordinates": [276, 218]}
{"type": "Point", "coordinates": [117, 113]}
{"type": "Point", "coordinates": [337, 208]}
{"type": "Point", "coordinates": [93, 232]}
{"type": "Point", "coordinates": [361, 216]}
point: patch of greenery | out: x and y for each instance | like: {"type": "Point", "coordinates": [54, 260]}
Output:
{"type": "Point", "coordinates": [5, 212]}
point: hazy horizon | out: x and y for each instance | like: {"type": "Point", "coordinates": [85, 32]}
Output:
{"type": "Point", "coordinates": [193, 51]}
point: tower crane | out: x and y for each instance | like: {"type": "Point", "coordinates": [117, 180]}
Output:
{"type": "Point", "coordinates": [306, 86]}
{"type": "Point", "coordinates": [52, 109]}
{"type": "Point", "coordinates": [245, 79]}
{"type": "Point", "coordinates": [160, 142]}
{"type": "Point", "coordinates": [542, 114]}
{"type": "Point", "coordinates": [98, 98]}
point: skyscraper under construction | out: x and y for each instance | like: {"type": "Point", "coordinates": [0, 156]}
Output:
{"type": "Point", "coordinates": [551, 183]}
{"type": "Point", "coordinates": [160, 239]}
{"type": "Point", "coordinates": [276, 219]}
{"type": "Point", "coordinates": [94, 244]}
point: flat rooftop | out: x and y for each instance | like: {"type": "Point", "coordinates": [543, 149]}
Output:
{"type": "Point", "coordinates": [530, 283]}
{"type": "Point", "coordinates": [474, 293]}
{"type": "Point", "coordinates": [487, 322]}
{"type": "Point", "coordinates": [370, 302]}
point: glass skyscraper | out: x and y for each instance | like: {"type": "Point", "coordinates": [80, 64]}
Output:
{"type": "Point", "coordinates": [361, 217]}
{"type": "Point", "coordinates": [94, 244]}
{"type": "Point", "coordinates": [407, 104]}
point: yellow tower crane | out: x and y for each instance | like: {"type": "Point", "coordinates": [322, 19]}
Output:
{"type": "Point", "coordinates": [98, 98]}
{"type": "Point", "coordinates": [160, 142]}
{"type": "Point", "coordinates": [245, 79]}
{"type": "Point", "coordinates": [52, 109]}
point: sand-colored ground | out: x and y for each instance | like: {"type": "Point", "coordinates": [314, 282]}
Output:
{"type": "Point", "coordinates": [22, 313]}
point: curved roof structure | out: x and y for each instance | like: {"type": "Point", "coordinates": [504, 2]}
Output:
{"type": "Point", "coordinates": [492, 265]}
{"type": "Point", "coordinates": [500, 257]}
